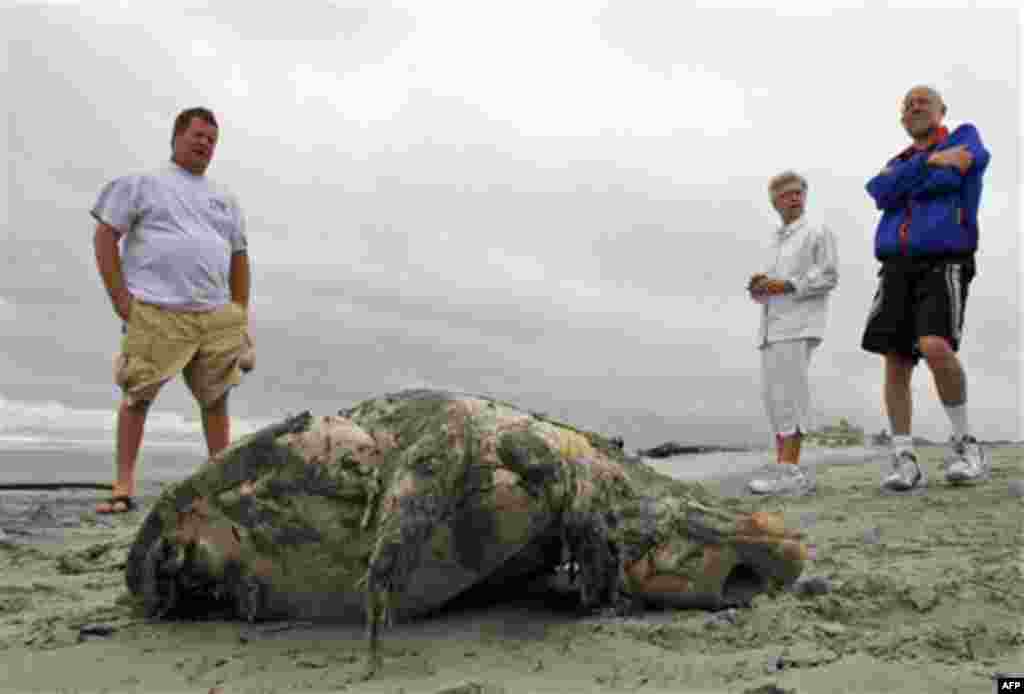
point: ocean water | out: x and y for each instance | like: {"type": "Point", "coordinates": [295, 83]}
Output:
{"type": "Point", "coordinates": [47, 459]}
{"type": "Point", "coordinates": [93, 461]}
{"type": "Point", "coordinates": [41, 515]}
{"type": "Point", "coordinates": [53, 442]}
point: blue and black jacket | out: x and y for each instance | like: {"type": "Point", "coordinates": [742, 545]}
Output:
{"type": "Point", "coordinates": [930, 211]}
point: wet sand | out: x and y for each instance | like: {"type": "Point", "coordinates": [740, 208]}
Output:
{"type": "Point", "coordinates": [925, 594]}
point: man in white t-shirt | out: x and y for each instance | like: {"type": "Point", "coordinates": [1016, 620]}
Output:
{"type": "Point", "coordinates": [802, 270]}
{"type": "Point", "coordinates": [172, 253]}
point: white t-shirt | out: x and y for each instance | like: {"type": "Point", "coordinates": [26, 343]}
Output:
{"type": "Point", "coordinates": [179, 232]}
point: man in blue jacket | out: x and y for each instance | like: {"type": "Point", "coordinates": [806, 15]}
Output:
{"type": "Point", "coordinates": [926, 240]}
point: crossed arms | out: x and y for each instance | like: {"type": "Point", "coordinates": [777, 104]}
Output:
{"type": "Point", "coordinates": [928, 174]}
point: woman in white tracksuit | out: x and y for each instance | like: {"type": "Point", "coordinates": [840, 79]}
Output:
{"type": "Point", "coordinates": [793, 290]}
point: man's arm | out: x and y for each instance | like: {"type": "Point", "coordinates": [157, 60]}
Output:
{"type": "Point", "coordinates": [968, 138]}
{"type": "Point", "coordinates": [239, 279]}
{"type": "Point", "coordinates": [941, 180]}
{"type": "Point", "coordinates": [893, 185]}
{"type": "Point", "coordinates": [947, 169]}
{"type": "Point", "coordinates": [108, 262]}
{"type": "Point", "coordinates": [930, 174]}
{"type": "Point", "coordinates": [950, 166]}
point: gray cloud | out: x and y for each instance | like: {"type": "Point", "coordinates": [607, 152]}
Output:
{"type": "Point", "coordinates": [427, 205]}
{"type": "Point", "coordinates": [307, 21]}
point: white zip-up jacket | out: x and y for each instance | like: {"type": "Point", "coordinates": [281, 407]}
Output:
{"type": "Point", "coordinates": [806, 255]}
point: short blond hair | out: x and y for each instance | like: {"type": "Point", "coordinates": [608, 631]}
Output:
{"type": "Point", "coordinates": [784, 178]}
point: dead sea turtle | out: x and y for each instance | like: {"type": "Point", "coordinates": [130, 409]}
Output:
{"type": "Point", "coordinates": [396, 506]}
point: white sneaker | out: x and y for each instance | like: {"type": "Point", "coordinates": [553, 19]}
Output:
{"type": "Point", "coordinates": [906, 473]}
{"type": "Point", "coordinates": [968, 462]}
{"type": "Point", "coordinates": [791, 480]}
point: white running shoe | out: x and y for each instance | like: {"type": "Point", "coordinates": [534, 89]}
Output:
{"type": "Point", "coordinates": [791, 480]}
{"type": "Point", "coordinates": [968, 462]}
{"type": "Point", "coordinates": [906, 473]}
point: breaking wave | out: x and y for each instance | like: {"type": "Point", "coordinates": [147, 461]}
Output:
{"type": "Point", "coordinates": [27, 424]}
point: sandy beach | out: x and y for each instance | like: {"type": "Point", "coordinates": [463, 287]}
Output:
{"type": "Point", "coordinates": [920, 593]}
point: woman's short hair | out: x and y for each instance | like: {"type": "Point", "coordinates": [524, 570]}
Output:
{"type": "Point", "coordinates": [785, 178]}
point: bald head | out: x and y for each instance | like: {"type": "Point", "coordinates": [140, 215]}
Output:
{"type": "Point", "coordinates": [924, 89]}
{"type": "Point", "coordinates": [922, 112]}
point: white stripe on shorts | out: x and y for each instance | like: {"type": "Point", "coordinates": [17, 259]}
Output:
{"type": "Point", "coordinates": [956, 308]}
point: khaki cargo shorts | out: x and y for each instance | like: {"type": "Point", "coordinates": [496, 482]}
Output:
{"type": "Point", "coordinates": [211, 349]}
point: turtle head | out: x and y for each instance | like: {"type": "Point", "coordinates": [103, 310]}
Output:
{"type": "Point", "coordinates": [197, 569]}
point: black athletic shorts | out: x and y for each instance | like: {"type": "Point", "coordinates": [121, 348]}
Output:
{"type": "Point", "coordinates": [917, 297]}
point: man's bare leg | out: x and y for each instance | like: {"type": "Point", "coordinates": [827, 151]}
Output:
{"type": "Point", "coordinates": [950, 380]}
{"type": "Point", "coordinates": [898, 403]}
{"type": "Point", "coordinates": [968, 461]}
{"type": "Point", "coordinates": [131, 423]}
{"type": "Point", "coordinates": [906, 474]}
{"type": "Point", "coordinates": [216, 426]}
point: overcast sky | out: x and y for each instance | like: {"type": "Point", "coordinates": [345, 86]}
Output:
{"type": "Point", "coordinates": [555, 203]}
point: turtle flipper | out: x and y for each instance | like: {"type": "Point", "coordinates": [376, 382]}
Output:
{"type": "Point", "coordinates": [373, 617]}
{"type": "Point", "coordinates": [595, 559]}
{"type": "Point", "coordinates": [412, 512]}
{"type": "Point", "coordinates": [158, 579]}
{"type": "Point", "coordinates": [683, 554]}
